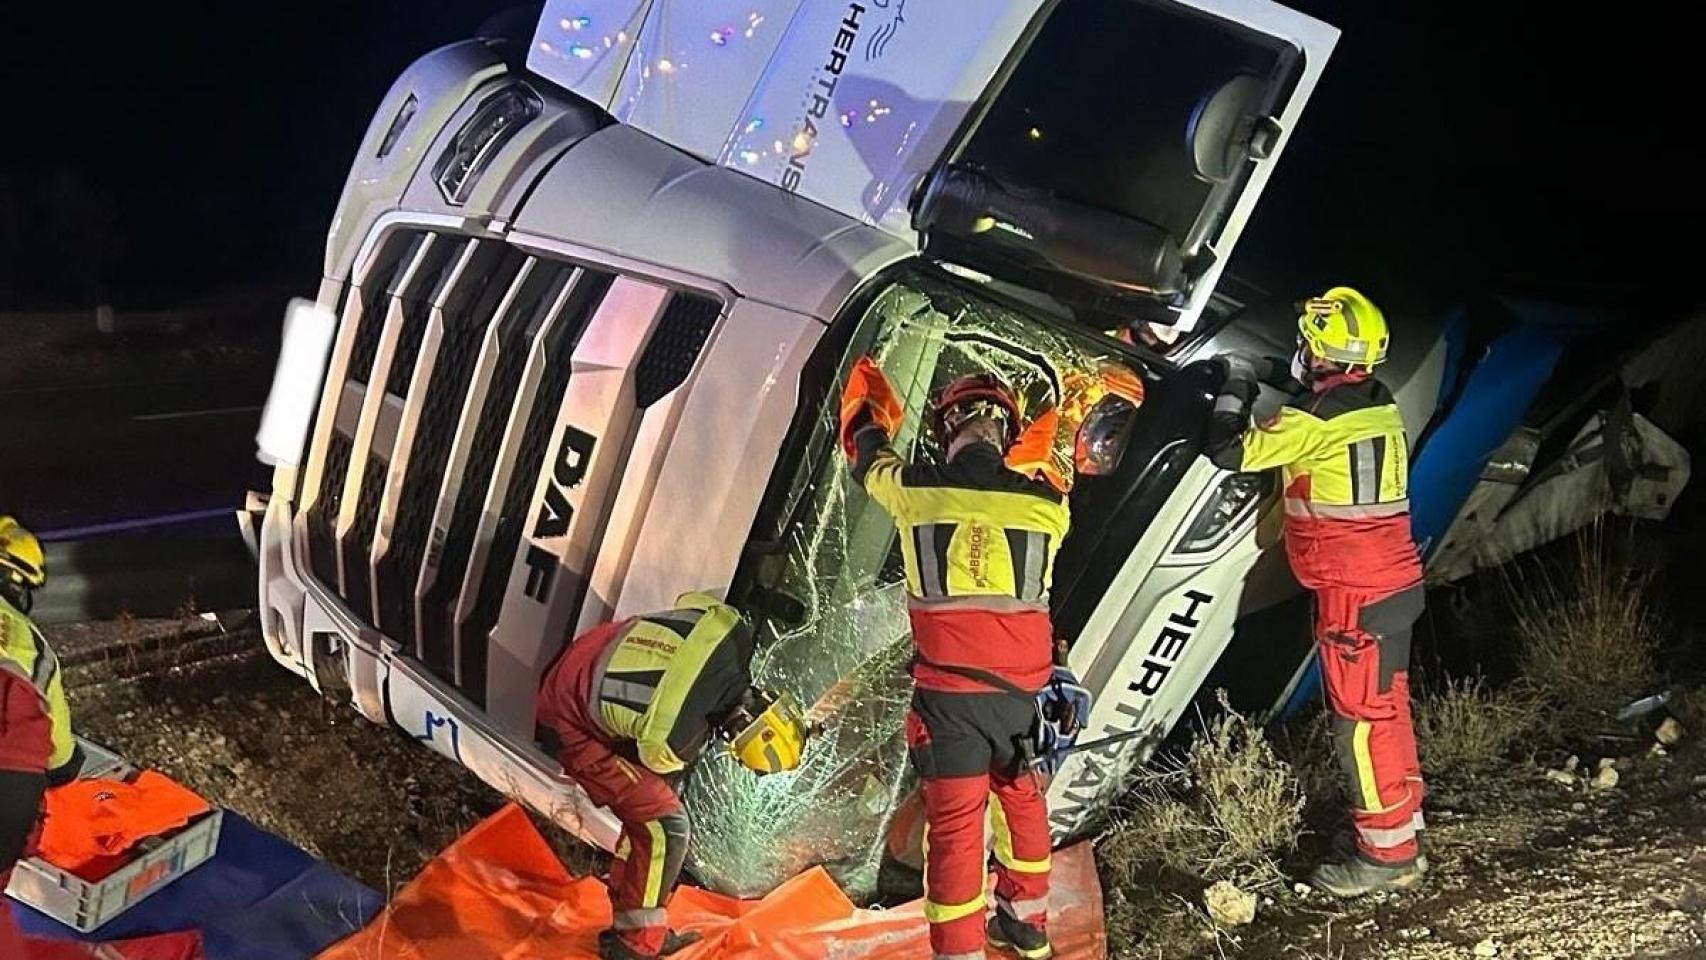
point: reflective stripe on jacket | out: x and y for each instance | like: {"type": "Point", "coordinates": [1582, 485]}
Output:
{"type": "Point", "coordinates": [974, 534]}
{"type": "Point", "coordinates": [1344, 462]}
{"type": "Point", "coordinates": [25, 651]}
{"type": "Point", "coordinates": [664, 675]}
{"type": "Point", "coordinates": [979, 541]}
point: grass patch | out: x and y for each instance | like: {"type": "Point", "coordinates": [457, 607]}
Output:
{"type": "Point", "coordinates": [1227, 810]}
{"type": "Point", "coordinates": [1588, 637]}
{"type": "Point", "coordinates": [1306, 745]}
{"type": "Point", "coordinates": [1466, 727]}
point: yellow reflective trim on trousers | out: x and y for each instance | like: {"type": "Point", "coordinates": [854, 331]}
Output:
{"type": "Point", "coordinates": [654, 870]}
{"type": "Point", "coordinates": [1024, 866]}
{"type": "Point", "coordinates": [949, 912]}
{"type": "Point", "coordinates": [1365, 766]}
{"type": "Point", "coordinates": [944, 913]}
{"type": "Point", "coordinates": [1004, 843]}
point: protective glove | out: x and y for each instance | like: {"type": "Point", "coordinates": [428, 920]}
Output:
{"type": "Point", "coordinates": [1065, 704]}
{"type": "Point", "coordinates": [867, 399]}
{"type": "Point", "coordinates": [1238, 368]}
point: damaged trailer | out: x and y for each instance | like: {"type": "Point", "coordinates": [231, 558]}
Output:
{"type": "Point", "coordinates": [587, 298]}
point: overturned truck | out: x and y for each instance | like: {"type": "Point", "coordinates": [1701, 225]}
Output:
{"type": "Point", "coordinates": [595, 286]}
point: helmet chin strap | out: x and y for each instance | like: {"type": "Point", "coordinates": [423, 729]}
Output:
{"type": "Point", "coordinates": [1316, 373]}
{"type": "Point", "coordinates": [21, 598]}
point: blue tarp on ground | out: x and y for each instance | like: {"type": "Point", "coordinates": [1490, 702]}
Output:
{"type": "Point", "coordinates": [258, 898]}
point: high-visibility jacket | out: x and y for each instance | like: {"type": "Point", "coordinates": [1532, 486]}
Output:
{"type": "Point", "coordinates": [91, 825]}
{"type": "Point", "coordinates": [979, 542]}
{"type": "Point", "coordinates": [663, 676]}
{"type": "Point", "coordinates": [1344, 464]}
{"type": "Point", "coordinates": [25, 653]}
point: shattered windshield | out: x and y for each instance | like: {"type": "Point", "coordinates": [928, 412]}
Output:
{"type": "Point", "coordinates": [846, 645]}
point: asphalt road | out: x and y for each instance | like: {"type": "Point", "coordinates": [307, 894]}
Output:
{"type": "Point", "coordinates": [99, 455]}
{"type": "Point", "coordinates": [134, 485]}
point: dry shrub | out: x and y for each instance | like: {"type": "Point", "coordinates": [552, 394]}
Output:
{"type": "Point", "coordinates": [1306, 745]}
{"type": "Point", "coordinates": [1588, 637]}
{"type": "Point", "coordinates": [1466, 727]}
{"type": "Point", "coordinates": [1127, 927]}
{"type": "Point", "coordinates": [1223, 812]}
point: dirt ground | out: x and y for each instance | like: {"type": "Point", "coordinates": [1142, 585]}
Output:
{"type": "Point", "coordinates": [1522, 867]}
{"type": "Point", "coordinates": [205, 704]}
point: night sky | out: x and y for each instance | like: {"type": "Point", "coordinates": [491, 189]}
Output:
{"type": "Point", "coordinates": [157, 154]}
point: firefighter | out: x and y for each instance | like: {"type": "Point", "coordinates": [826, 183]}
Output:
{"type": "Point", "coordinates": [36, 746]}
{"type": "Point", "coordinates": [979, 541]}
{"type": "Point", "coordinates": [626, 709]}
{"type": "Point", "coordinates": [1344, 460]}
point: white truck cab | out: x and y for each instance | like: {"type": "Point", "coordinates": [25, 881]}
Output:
{"type": "Point", "coordinates": [593, 302]}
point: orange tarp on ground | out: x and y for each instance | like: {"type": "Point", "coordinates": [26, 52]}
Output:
{"type": "Point", "coordinates": [499, 892]}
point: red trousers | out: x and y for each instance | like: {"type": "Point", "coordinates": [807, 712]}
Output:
{"type": "Point", "coordinates": [965, 748]}
{"type": "Point", "coordinates": [1364, 646]}
{"type": "Point", "coordinates": [655, 829]}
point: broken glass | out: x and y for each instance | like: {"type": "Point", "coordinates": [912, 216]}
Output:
{"type": "Point", "coordinates": [847, 653]}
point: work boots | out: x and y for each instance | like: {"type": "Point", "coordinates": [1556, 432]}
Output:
{"type": "Point", "coordinates": [1356, 877]}
{"type": "Point", "coordinates": [611, 946]}
{"type": "Point", "coordinates": [1017, 936]}
{"type": "Point", "coordinates": [1345, 847]}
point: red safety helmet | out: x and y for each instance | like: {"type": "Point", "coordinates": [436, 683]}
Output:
{"type": "Point", "coordinates": [975, 395]}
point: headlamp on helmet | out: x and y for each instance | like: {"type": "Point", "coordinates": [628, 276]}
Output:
{"type": "Point", "coordinates": [1344, 327]}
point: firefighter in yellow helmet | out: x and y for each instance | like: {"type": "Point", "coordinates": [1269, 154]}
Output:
{"type": "Point", "coordinates": [36, 746]}
{"type": "Point", "coordinates": [626, 709]}
{"type": "Point", "coordinates": [1343, 457]}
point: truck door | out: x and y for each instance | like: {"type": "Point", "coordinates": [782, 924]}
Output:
{"type": "Point", "coordinates": [1108, 149]}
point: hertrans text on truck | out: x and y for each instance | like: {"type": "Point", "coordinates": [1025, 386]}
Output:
{"type": "Point", "coordinates": [594, 289]}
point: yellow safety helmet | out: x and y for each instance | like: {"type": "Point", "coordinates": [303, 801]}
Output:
{"type": "Point", "coordinates": [1345, 327]}
{"type": "Point", "coordinates": [21, 561]}
{"type": "Point", "coordinates": [773, 739]}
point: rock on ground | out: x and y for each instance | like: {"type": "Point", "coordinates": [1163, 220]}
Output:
{"type": "Point", "coordinates": [1228, 905]}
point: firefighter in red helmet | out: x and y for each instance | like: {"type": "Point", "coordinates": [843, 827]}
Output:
{"type": "Point", "coordinates": [979, 541]}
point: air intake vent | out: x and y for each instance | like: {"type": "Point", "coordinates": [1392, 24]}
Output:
{"type": "Point", "coordinates": [583, 299]}
{"type": "Point", "coordinates": [674, 347]}
{"type": "Point", "coordinates": [466, 315]}
{"type": "Point", "coordinates": [365, 307]}
{"type": "Point", "coordinates": [469, 345]}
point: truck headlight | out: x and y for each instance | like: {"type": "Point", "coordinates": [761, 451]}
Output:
{"type": "Point", "coordinates": [1236, 498]}
{"type": "Point", "coordinates": [481, 137]}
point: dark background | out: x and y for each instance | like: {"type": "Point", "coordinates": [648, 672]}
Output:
{"type": "Point", "coordinates": [181, 162]}
{"type": "Point", "coordinates": [155, 153]}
